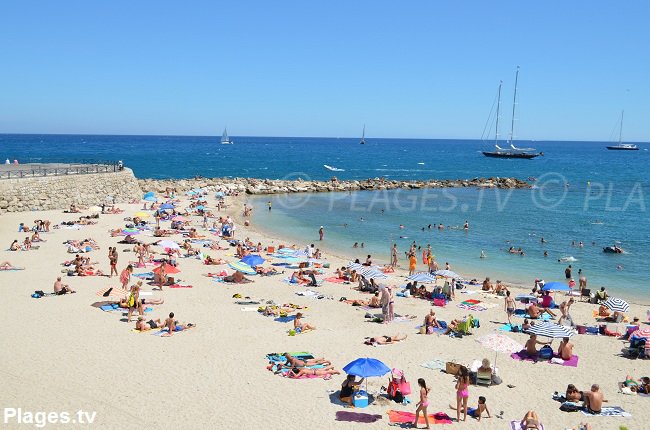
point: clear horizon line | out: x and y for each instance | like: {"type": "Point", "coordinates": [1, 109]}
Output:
{"type": "Point", "coordinates": [308, 137]}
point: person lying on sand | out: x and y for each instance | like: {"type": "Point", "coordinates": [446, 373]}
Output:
{"type": "Point", "coordinates": [237, 278]}
{"type": "Point", "coordinates": [535, 311]}
{"type": "Point", "coordinates": [5, 265]}
{"type": "Point", "coordinates": [640, 386]}
{"type": "Point", "coordinates": [531, 421]}
{"type": "Point", "coordinates": [266, 272]}
{"type": "Point", "coordinates": [60, 288]}
{"type": "Point", "coordinates": [296, 362]}
{"type": "Point", "coordinates": [143, 325]}
{"type": "Point", "coordinates": [297, 372]}
{"type": "Point", "coordinates": [385, 340]}
{"type": "Point", "coordinates": [213, 262]}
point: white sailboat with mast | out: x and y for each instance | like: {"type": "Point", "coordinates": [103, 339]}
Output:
{"type": "Point", "coordinates": [363, 136]}
{"type": "Point", "coordinates": [513, 152]}
{"type": "Point", "coordinates": [622, 146]}
{"type": "Point", "coordinates": [225, 140]}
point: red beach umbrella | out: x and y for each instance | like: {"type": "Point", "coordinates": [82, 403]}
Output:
{"type": "Point", "coordinates": [168, 269]}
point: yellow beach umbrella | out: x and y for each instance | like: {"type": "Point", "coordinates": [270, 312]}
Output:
{"type": "Point", "coordinates": [142, 214]}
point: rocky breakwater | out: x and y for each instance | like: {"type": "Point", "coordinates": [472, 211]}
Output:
{"type": "Point", "coordinates": [59, 192]}
{"type": "Point", "coordinates": [279, 186]}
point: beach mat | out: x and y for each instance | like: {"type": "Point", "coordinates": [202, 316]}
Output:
{"type": "Point", "coordinates": [508, 327]}
{"type": "Point", "coordinates": [516, 425]}
{"type": "Point", "coordinates": [335, 280]}
{"type": "Point", "coordinates": [522, 314]}
{"type": "Point", "coordinates": [523, 356]}
{"type": "Point", "coordinates": [435, 364]}
{"type": "Point", "coordinates": [403, 417]}
{"type": "Point", "coordinates": [285, 319]}
{"type": "Point", "coordinates": [356, 417]}
{"type": "Point", "coordinates": [608, 411]}
{"type": "Point", "coordinates": [180, 286]}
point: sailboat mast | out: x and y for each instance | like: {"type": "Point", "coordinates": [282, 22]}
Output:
{"type": "Point", "coordinates": [514, 104]}
{"type": "Point", "coordinates": [496, 128]}
{"type": "Point", "coordinates": [620, 131]}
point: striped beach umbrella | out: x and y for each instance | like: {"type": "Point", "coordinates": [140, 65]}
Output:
{"type": "Point", "coordinates": [372, 273]}
{"type": "Point", "coordinates": [617, 305]}
{"type": "Point", "coordinates": [169, 244]}
{"type": "Point", "coordinates": [551, 330]}
{"type": "Point", "coordinates": [422, 277]}
{"type": "Point", "coordinates": [242, 267]}
{"type": "Point", "coordinates": [642, 333]}
{"type": "Point", "coordinates": [446, 274]}
{"type": "Point", "coordinates": [355, 266]}
{"type": "Point", "coordinates": [112, 292]}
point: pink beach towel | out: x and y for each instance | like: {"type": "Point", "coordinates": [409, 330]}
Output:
{"type": "Point", "coordinates": [335, 280]}
{"type": "Point", "coordinates": [403, 417]}
{"type": "Point", "coordinates": [180, 286]}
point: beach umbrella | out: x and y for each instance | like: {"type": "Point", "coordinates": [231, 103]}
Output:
{"type": "Point", "coordinates": [242, 267]}
{"type": "Point", "coordinates": [169, 244]}
{"type": "Point", "coordinates": [148, 194]}
{"type": "Point", "coordinates": [219, 194]}
{"type": "Point", "coordinates": [166, 206]}
{"type": "Point", "coordinates": [372, 274]}
{"type": "Point", "coordinates": [150, 199]}
{"type": "Point", "coordinates": [112, 292]}
{"type": "Point", "coordinates": [548, 329]}
{"type": "Point", "coordinates": [556, 286]}
{"type": "Point", "coordinates": [366, 368]}
{"type": "Point", "coordinates": [168, 269]}
{"type": "Point", "coordinates": [422, 277]}
{"type": "Point", "coordinates": [179, 218]}
{"type": "Point", "coordinates": [252, 260]}
{"type": "Point", "coordinates": [446, 274]}
{"type": "Point", "coordinates": [500, 343]}
{"type": "Point", "coordinates": [355, 266]}
{"type": "Point", "coordinates": [642, 333]}
{"type": "Point", "coordinates": [617, 305]}
{"type": "Point", "coordinates": [142, 214]}
{"type": "Point", "coordinates": [522, 297]}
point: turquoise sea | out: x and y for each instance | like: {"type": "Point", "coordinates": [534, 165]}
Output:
{"type": "Point", "coordinates": [582, 192]}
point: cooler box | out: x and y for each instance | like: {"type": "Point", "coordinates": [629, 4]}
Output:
{"type": "Point", "coordinates": [360, 399]}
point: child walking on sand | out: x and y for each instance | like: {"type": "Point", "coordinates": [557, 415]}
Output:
{"type": "Point", "coordinates": [422, 404]}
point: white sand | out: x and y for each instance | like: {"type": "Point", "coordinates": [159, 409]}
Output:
{"type": "Point", "coordinates": [61, 354]}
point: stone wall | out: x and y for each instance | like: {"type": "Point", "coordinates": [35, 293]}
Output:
{"type": "Point", "coordinates": [59, 192]}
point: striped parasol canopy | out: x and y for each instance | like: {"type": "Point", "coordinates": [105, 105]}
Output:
{"type": "Point", "coordinates": [422, 277]}
{"type": "Point", "coordinates": [617, 305]}
{"type": "Point", "coordinates": [642, 333]}
{"type": "Point", "coordinates": [355, 266]}
{"type": "Point", "coordinates": [242, 267]}
{"type": "Point", "coordinates": [551, 330]}
{"type": "Point", "coordinates": [446, 274]}
{"type": "Point", "coordinates": [371, 273]}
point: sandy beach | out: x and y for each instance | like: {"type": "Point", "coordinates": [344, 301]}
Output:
{"type": "Point", "coordinates": [63, 354]}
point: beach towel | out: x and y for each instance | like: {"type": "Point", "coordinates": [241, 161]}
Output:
{"type": "Point", "coordinates": [572, 362]}
{"type": "Point", "coordinates": [356, 417]}
{"type": "Point", "coordinates": [608, 411]}
{"type": "Point", "coordinates": [146, 275]}
{"type": "Point", "coordinates": [180, 286]}
{"type": "Point", "coordinates": [403, 417]}
{"type": "Point", "coordinates": [12, 269]}
{"type": "Point", "coordinates": [523, 356]}
{"type": "Point", "coordinates": [471, 302]}
{"type": "Point", "coordinates": [403, 319]}
{"type": "Point", "coordinates": [522, 314]}
{"type": "Point", "coordinates": [435, 364]}
{"type": "Point", "coordinates": [508, 327]}
{"type": "Point", "coordinates": [335, 280]}
{"type": "Point", "coordinates": [516, 425]}
{"type": "Point", "coordinates": [285, 319]}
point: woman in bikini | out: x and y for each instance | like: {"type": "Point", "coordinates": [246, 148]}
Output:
{"type": "Point", "coordinates": [462, 393]}
{"type": "Point", "coordinates": [422, 404]}
{"type": "Point", "coordinates": [300, 326]}
{"type": "Point", "coordinates": [297, 372]}
{"type": "Point", "coordinates": [143, 325]}
{"type": "Point", "coordinates": [385, 340]}
{"type": "Point", "coordinates": [5, 265]}
{"type": "Point", "coordinates": [530, 421]}
{"type": "Point", "coordinates": [510, 306]}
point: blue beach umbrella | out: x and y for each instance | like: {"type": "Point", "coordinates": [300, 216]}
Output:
{"type": "Point", "coordinates": [366, 367]}
{"type": "Point", "coordinates": [252, 260]}
{"type": "Point", "coordinates": [149, 194]}
{"type": "Point", "coordinates": [219, 194]}
{"type": "Point", "coordinates": [200, 207]}
{"type": "Point", "coordinates": [166, 206]}
{"type": "Point", "coordinates": [556, 286]}
{"type": "Point", "coordinates": [150, 198]}
{"type": "Point", "coordinates": [422, 277]}
{"type": "Point", "coordinates": [242, 267]}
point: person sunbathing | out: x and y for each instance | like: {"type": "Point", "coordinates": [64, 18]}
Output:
{"type": "Point", "coordinates": [385, 340]}
{"type": "Point", "coordinates": [60, 288]}
{"type": "Point", "coordinates": [266, 272]}
{"type": "Point", "coordinates": [298, 278]}
{"type": "Point", "coordinates": [213, 262]}
{"type": "Point", "coordinates": [172, 325]}
{"type": "Point", "coordinates": [148, 325]}
{"type": "Point", "coordinates": [5, 265]}
{"type": "Point", "coordinates": [536, 312]}
{"type": "Point", "coordinates": [297, 362]}
{"type": "Point", "coordinates": [299, 326]}
{"type": "Point", "coordinates": [641, 386]}
{"type": "Point", "coordinates": [237, 277]}
{"type": "Point", "coordinates": [573, 394]}
{"type": "Point", "coordinates": [431, 322]}
{"type": "Point", "coordinates": [593, 401]}
{"type": "Point", "coordinates": [565, 350]}
{"type": "Point", "coordinates": [158, 232]}
{"type": "Point", "coordinates": [531, 346]}
{"type": "Point", "coordinates": [297, 372]}
{"type": "Point", "coordinates": [531, 421]}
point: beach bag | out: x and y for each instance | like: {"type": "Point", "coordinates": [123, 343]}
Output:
{"type": "Point", "coordinates": [394, 393]}
{"type": "Point", "coordinates": [496, 380]}
{"type": "Point", "coordinates": [546, 352]}
{"type": "Point", "coordinates": [452, 368]}
{"type": "Point", "coordinates": [569, 407]}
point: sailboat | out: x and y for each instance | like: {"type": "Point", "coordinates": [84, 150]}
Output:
{"type": "Point", "coordinates": [622, 146]}
{"type": "Point", "coordinates": [513, 152]}
{"type": "Point", "coordinates": [225, 140]}
{"type": "Point", "coordinates": [363, 136]}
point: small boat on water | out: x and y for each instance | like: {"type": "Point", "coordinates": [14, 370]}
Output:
{"type": "Point", "coordinates": [363, 136]}
{"type": "Point", "coordinates": [225, 140]}
{"type": "Point", "coordinates": [513, 151]}
{"type": "Point", "coordinates": [622, 146]}
{"type": "Point", "coordinates": [613, 250]}
{"type": "Point", "coordinates": [333, 169]}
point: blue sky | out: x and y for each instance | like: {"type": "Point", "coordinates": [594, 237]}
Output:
{"type": "Point", "coordinates": [421, 69]}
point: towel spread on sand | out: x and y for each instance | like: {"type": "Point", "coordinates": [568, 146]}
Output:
{"type": "Point", "coordinates": [523, 356]}
{"type": "Point", "coordinates": [356, 417]}
{"type": "Point", "coordinates": [608, 411]}
{"type": "Point", "coordinates": [508, 327]}
{"type": "Point", "coordinates": [180, 286]}
{"type": "Point", "coordinates": [397, 417]}
{"type": "Point", "coordinates": [335, 280]}
{"type": "Point", "coordinates": [522, 314]}
{"type": "Point", "coordinates": [516, 425]}
{"type": "Point", "coordinates": [435, 364]}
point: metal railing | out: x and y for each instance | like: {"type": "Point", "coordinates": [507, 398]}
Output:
{"type": "Point", "coordinates": [59, 169]}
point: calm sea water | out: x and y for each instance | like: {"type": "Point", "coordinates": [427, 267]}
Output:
{"type": "Point", "coordinates": [583, 193]}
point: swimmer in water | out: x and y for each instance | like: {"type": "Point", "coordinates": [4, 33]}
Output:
{"type": "Point", "coordinates": [542, 240]}
{"type": "Point", "coordinates": [361, 219]}
{"type": "Point", "coordinates": [545, 253]}
{"type": "Point", "coordinates": [401, 226]}
{"type": "Point", "coordinates": [483, 254]}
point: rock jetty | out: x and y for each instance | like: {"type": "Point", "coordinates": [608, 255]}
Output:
{"type": "Point", "coordinates": [281, 186]}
